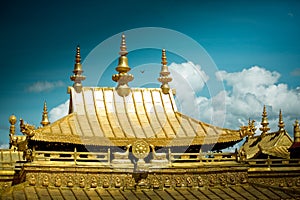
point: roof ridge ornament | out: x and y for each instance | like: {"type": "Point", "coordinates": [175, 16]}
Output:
{"type": "Point", "coordinates": [123, 78]}
{"type": "Point", "coordinates": [45, 121]}
{"type": "Point", "coordinates": [264, 122]}
{"type": "Point", "coordinates": [77, 77]}
{"type": "Point", "coordinates": [164, 77]}
{"type": "Point", "coordinates": [123, 48]}
{"type": "Point", "coordinates": [280, 122]}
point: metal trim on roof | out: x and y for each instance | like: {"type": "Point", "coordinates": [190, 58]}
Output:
{"type": "Point", "coordinates": [147, 113]}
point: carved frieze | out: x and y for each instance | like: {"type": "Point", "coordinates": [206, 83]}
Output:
{"type": "Point", "coordinates": [163, 179]}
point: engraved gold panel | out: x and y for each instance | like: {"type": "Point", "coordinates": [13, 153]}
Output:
{"type": "Point", "coordinates": [140, 149]}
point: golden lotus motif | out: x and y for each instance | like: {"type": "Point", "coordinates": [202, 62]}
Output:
{"type": "Point", "coordinates": [140, 149]}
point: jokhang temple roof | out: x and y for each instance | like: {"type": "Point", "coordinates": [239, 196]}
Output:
{"type": "Point", "coordinates": [273, 144]}
{"type": "Point", "coordinates": [118, 116]}
{"type": "Point", "coordinates": [100, 116]}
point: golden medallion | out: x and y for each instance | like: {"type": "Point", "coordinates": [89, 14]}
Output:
{"type": "Point", "coordinates": [140, 149]}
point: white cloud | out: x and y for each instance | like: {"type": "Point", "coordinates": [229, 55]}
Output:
{"type": "Point", "coordinates": [4, 146]}
{"type": "Point", "coordinates": [296, 72]}
{"type": "Point", "coordinates": [250, 89]}
{"type": "Point", "coordinates": [59, 111]}
{"type": "Point", "coordinates": [42, 86]}
{"type": "Point", "coordinates": [188, 79]}
{"type": "Point", "coordinates": [191, 72]}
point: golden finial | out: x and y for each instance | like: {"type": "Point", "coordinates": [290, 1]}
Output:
{"type": "Point", "coordinates": [264, 123]}
{"type": "Point", "coordinates": [296, 131]}
{"type": "Point", "coordinates": [77, 77]}
{"type": "Point", "coordinates": [280, 122]}
{"type": "Point", "coordinates": [123, 48]}
{"type": "Point", "coordinates": [164, 58]}
{"type": "Point", "coordinates": [250, 129]}
{"type": "Point", "coordinates": [78, 57]}
{"type": "Point", "coordinates": [12, 130]}
{"type": "Point", "coordinates": [123, 78]}
{"type": "Point", "coordinates": [12, 120]}
{"type": "Point", "coordinates": [45, 121]}
{"type": "Point", "coordinates": [164, 77]}
{"type": "Point", "coordinates": [296, 123]}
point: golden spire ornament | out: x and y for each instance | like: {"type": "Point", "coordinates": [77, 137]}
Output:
{"type": "Point", "coordinates": [251, 127]}
{"type": "Point", "coordinates": [12, 120]}
{"type": "Point", "coordinates": [264, 123]}
{"type": "Point", "coordinates": [12, 130]}
{"type": "Point", "coordinates": [296, 131]}
{"type": "Point", "coordinates": [280, 122]}
{"type": "Point", "coordinates": [164, 74]}
{"type": "Point", "coordinates": [123, 78]}
{"type": "Point", "coordinates": [77, 77]}
{"type": "Point", "coordinates": [45, 121]}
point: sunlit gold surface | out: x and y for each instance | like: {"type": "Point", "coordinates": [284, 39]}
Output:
{"type": "Point", "coordinates": [12, 119]}
{"type": "Point", "coordinates": [140, 149]}
{"type": "Point", "coordinates": [140, 118]}
{"type": "Point", "coordinates": [273, 144]}
{"type": "Point", "coordinates": [99, 116]}
{"type": "Point", "coordinates": [164, 74]}
{"type": "Point", "coordinates": [123, 77]}
{"type": "Point", "coordinates": [280, 122]}
{"type": "Point", "coordinates": [45, 121]}
{"type": "Point", "coordinates": [77, 77]}
{"type": "Point", "coordinates": [296, 132]}
{"type": "Point", "coordinates": [264, 123]}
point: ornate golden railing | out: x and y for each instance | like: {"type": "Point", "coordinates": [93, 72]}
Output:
{"type": "Point", "coordinates": [77, 158]}
{"type": "Point", "coordinates": [202, 157]}
{"type": "Point", "coordinates": [104, 158]}
{"type": "Point", "coordinates": [268, 162]}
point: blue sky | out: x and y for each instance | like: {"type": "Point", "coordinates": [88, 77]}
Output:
{"type": "Point", "coordinates": [38, 39]}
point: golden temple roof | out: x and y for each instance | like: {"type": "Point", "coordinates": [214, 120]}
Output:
{"type": "Point", "coordinates": [99, 116]}
{"type": "Point", "coordinates": [273, 144]}
{"type": "Point", "coordinates": [120, 115]}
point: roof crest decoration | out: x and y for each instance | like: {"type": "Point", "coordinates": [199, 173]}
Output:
{"type": "Point", "coordinates": [123, 78]}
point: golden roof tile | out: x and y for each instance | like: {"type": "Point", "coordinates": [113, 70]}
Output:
{"type": "Point", "coordinates": [275, 144]}
{"type": "Point", "coordinates": [99, 116]}
{"type": "Point", "coordinates": [251, 191]}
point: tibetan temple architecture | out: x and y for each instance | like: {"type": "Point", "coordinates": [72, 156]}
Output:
{"type": "Point", "coordinates": [132, 143]}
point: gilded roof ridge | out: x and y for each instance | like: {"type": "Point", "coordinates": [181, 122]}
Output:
{"type": "Point", "coordinates": [57, 121]}
{"type": "Point", "coordinates": [207, 124]}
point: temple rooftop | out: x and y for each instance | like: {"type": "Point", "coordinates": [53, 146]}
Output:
{"type": "Point", "coordinates": [133, 143]}
{"type": "Point", "coordinates": [117, 116]}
